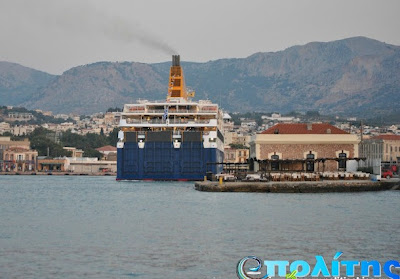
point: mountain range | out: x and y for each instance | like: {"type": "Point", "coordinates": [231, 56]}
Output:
{"type": "Point", "coordinates": [356, 76]}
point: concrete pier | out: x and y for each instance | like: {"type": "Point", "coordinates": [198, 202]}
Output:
{"type": "Point", "coordinates": [300, 186]}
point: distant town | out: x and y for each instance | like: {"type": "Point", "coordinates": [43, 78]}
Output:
{"type": "Point", "coordinates": [42, 142]}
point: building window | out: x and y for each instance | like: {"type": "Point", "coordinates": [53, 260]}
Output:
{"type": "Point", "coordinates": [342, 161]}
{"type": "Point", "coordinates": [275, 163]}
{"type": "Point", "coordinates": [310, 162]}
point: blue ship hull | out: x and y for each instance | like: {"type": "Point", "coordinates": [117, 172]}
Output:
{"type": "Point", "coordinates": [161, 161]}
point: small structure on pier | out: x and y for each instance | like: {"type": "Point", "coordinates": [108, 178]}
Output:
{"type": "Point", "coordinates": [309, 147]}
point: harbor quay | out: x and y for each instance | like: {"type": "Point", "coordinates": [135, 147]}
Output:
{"type": "Point", "coordinates": [100, 173]}
{"type": "Point", "coordinates": [324, 186]}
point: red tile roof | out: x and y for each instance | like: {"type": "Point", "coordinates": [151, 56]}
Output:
{"type": "Point", "coordinates": [107, 148]}
{"type": "Point", "coordinates": [388, 137]}
{"type": "Point", "coordinates": [301, 128]}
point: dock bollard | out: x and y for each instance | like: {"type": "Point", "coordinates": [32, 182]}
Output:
{"type": "Point", "coordinates": [220, 180]}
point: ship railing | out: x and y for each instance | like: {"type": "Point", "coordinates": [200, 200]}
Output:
{"type": "Point", "coordinates": [171, 111]}
{"type": "Point", "coordinates": [160, 121]}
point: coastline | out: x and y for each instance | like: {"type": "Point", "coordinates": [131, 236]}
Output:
{"type": "Point", "coordinates": [299, 186]}
{"type": "Point", "coordinates": [324, 186]}
{"type": "Point", "coordinates": [60, 173]}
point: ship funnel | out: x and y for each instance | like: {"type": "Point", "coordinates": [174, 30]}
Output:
{"type": "Point", "coordinates": [176, 60]}
{"type": "Point", "coordinates": [176, 87]}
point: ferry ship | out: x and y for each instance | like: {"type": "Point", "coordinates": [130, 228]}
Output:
{"type": "Point", "coordinates": [173, 139]}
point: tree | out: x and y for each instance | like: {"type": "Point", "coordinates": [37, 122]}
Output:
{"type": "Point", "coordinates": [116, 109]}
{"type": "Point", "coordinates": [7, 134]}
{"type": "Point", "coordinates": [43, 144]}
{"type": "Point", "coordinates": [293, 113]}
{"type": "Point", "coordinates": [312, 113]}
{"type": "Point", "coordinates": [92, 153]}
{"type": "Point", "coordinates": [86, 142]}
{"type": "Point", "coordinates": [238, 146]}
{"type": "Point", "coordinates": [113, 137]}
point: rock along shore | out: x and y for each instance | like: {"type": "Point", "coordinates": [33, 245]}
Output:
{"type": "Point", "coordinates": [299, 187]}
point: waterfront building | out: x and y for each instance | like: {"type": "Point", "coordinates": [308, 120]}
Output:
{"type": "Point", "coordinates": [7, 143]}
{"type": "Point", "coordinates": [302, 147]}
{"type": "Point", "coordinates": [50, 164]}
{"type": "Point", "coordinates": [19, 159]}
{"type": "Point", "coordinates": [381, 149]}
{"type": "Point", "coordinates": [90, 165]}
{"type": "Point", "coordinates": [391, 147]}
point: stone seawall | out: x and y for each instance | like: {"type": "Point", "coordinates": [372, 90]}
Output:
{"type": "Point", "coordinates": [299, 187]}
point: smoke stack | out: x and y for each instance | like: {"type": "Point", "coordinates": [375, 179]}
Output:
{"type": "Point", "coordinates": [176, 60]}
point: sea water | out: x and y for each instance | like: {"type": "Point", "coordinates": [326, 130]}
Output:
{"type": "Point", "coordinates": [96, 227]}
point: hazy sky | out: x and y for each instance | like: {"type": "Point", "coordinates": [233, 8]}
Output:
{"type": "Point", "coordinates": [53, 36]}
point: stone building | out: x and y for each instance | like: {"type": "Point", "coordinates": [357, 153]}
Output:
{"type": "Point", "coordinates": [302, 147]}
